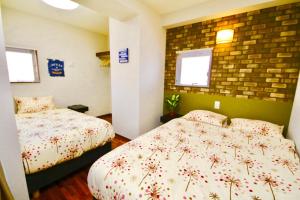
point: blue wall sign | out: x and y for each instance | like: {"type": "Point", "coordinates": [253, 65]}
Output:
{"type": "Point", "coordinates": [56, 67]}
{"type": "Point", "coordinates": [123, 56]}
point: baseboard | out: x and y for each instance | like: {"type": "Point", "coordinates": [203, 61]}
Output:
{"type": "Point", "coordinates": [105, 115]}
{"type": "Point", "coordinates": [122, 137]}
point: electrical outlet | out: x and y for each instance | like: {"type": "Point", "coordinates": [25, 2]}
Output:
{"type": "Point", "coordinates": [217, 105]}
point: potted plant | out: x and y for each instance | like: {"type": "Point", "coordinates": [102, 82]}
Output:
{"type": "Point", "coordinates": [172, 103]}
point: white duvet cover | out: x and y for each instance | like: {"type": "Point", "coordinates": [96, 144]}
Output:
{"type": "Point", "coordinates": [191, 160]}
{"type": "Point", "coordinates": [51, 137]}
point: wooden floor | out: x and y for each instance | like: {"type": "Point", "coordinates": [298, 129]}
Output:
{"type": "Point", "coordinates": [74, 187]}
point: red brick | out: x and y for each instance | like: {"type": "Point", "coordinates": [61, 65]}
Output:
{"type": "Point", "coordinates": [283, 17]}
{"type": "Point", "coordinates": [249, 42]}
{"type": "Point", "coordinates": [260, 63]}
{"type": "Point", "coordinates": [284, 55]}
{"type": "Point", "coordinates": [288, 33]}
{"type": "Point", "coordinates": [290, 22]}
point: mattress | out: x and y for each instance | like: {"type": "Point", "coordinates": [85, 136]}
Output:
{"type": "Point", "coordinates": [51, 137]}
{"type": "Point", "coordinates": [192, 160]}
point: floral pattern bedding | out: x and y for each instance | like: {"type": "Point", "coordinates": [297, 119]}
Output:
{"type": "Point", "coordinates": [34, 104]}
{"type": "Point", "coordinates": [51, 137]}
{"type": "Point", "coordinates": [192, 160]}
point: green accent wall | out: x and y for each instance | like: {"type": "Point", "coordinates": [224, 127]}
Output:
{"type": "Point", "coordinates": [272, 111]}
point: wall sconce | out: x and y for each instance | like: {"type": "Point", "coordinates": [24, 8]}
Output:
{"type": "Point", "coordinates": [224, 36]}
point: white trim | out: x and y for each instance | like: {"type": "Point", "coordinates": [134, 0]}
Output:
{"type": "Point", "coordinates": [35, 62]}
{"type": "Point", "coordinates": [193, 50]}
{"type": "Point", "coordinates": [193, 53]}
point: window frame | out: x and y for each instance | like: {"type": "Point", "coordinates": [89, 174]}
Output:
{"type": "Point", "coordinates": [193, 53]}
{"type": "Point", "coordinates": [35, 62]}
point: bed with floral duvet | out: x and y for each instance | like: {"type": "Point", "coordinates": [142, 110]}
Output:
{"type": "Point", "coordinates": [51, 137]}
{"type": "Point", "coordinates": [190, 158]}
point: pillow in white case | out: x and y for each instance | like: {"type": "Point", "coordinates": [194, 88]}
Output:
{"type": "Point", "coordinates": [34, 104]}
{"type": "Point", "coordinates": [207, 117]}
{"type": "Point", "coordinates": [256, 126]}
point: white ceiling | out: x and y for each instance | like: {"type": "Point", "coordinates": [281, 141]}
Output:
{"type": "Point", "coordinates": [210, 9]}
{"type": "Point", "coordinates": [93, 14]}
{"type": "Point", "coordinates": [168, 6]}
{"type": "Point", "coordinates": [114, 8]}
{"type": "Point", "coordinates": [95, 19]}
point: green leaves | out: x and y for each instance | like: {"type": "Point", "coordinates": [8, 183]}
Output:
{"type": "Point", "coordinates": [173, 101]}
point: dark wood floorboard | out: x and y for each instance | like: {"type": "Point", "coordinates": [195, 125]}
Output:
{"type": "Point", "coordinates": [74, 187]}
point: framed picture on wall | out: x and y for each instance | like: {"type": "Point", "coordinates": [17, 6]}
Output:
{"type": "Point", "coordinates": [124, 56]}
{"type": "Point", "coordinates": [56, 68]}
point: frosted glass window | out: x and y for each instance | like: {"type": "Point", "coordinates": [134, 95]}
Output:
{"type": "Point", "coordinates": [22, 65]}
{"type": "Point", "coordinates": [193, 68]}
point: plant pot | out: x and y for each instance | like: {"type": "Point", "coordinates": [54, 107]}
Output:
{"type": "Point", "coordinates": [172, 114]}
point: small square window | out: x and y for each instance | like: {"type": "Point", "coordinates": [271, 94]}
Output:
{"type": "Point", "coordinates": [193, 68]}
{"type": "Point", "coordinates": [22, 65]}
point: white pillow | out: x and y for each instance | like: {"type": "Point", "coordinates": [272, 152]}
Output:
{"type": "Point", "coordinates": [34, 104]}
{"type": "Point", "coordinates": [256, 126]}
{"type": "Point", "coordinates": [207, 117]}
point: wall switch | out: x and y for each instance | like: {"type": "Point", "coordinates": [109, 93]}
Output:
{"type": "Point", "coordinates": [217, 105]}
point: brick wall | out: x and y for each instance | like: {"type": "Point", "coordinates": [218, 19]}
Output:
{"type": "Point", "coordinates": [262, 61]}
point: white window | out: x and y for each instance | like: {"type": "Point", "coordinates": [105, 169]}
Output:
{"type": "Point", "coordinates": [193, 68]}
{"type": "Point", "coordinates": [22, 65]}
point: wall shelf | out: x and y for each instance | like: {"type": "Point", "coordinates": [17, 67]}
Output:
{"type": "Point", "coordinates": [102, 54]}
{"type": "Point", "coordinates": [104, 57]}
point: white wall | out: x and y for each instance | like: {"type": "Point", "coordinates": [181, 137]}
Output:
{"type": "Point", "coordinates": [9, 147]}
{"type": "Point", "coordinates": [85, 82]}
{"type": "Point", "coordinates": [152, 69]}
{"type": "Point", "coordinates": [294, 126]}
{"type": "Point", "coordinates": [124, 77]}
{"type": "Point", "coordinates": [137, 87]}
